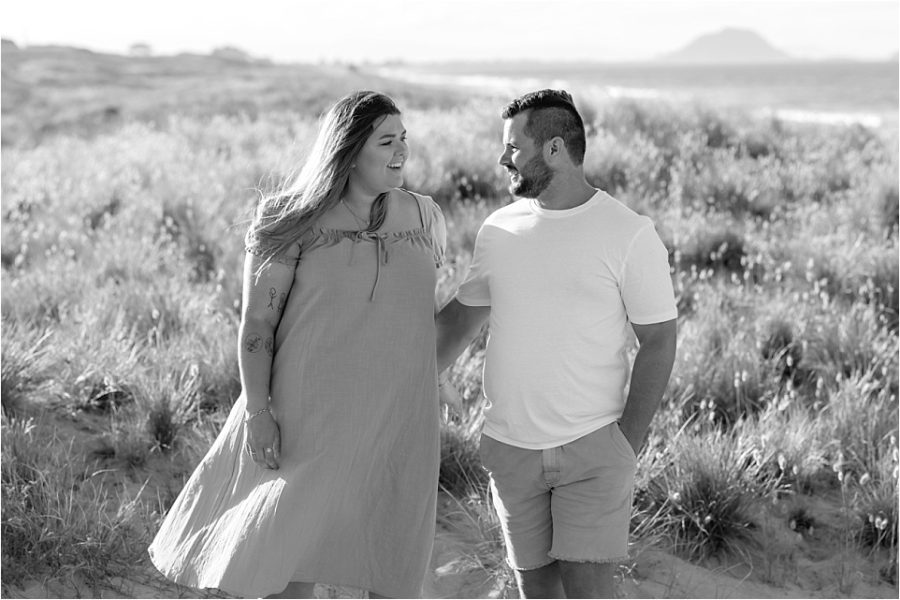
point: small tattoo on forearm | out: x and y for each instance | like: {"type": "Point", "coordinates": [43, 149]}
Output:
{"type": "Point", "coordinates": [281, 300]}
{"type": "Point", "coordinates": [272, 293]}
{"type": "Point", "coordinates": [252, 342]}
{"type": "Point", "coordinates": [270, 346]}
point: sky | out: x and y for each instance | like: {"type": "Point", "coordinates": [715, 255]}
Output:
{"type": "Point", "coordinates": [434, 30]}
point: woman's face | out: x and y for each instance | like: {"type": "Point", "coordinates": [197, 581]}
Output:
{"type": "Point", "coordinates": [380, 163]}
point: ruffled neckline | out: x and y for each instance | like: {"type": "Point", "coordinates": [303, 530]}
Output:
{"type": "Point", "coordinates": [323, 237]}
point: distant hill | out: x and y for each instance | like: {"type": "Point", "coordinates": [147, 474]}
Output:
{"type": "Point", "coordinates": [728, 46]}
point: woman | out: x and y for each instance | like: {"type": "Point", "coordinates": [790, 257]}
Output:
{"type": "Point", "coordinates": [326, 469]}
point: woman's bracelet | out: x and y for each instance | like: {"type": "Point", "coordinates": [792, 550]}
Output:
{"type": "Point", "coordinates": [257, 413]}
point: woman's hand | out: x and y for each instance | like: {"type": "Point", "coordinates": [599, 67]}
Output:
{"type": "Point", "coordinates": [264, 440]}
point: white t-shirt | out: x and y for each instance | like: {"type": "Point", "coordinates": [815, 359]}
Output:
{"type": "Point", "coordinates": [563, 286]}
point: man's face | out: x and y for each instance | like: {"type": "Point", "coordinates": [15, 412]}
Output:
{"type": "Point", "coordinates": [529, 174]}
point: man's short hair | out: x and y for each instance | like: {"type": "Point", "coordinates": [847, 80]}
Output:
{"type": "Point", "coordinates": [553, 113]}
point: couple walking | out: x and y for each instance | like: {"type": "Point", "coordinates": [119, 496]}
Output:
{"type": "Point", "coordinates": [326, 468]}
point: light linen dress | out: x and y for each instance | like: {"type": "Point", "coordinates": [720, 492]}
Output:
{"type": "Point", "coordinates": [354, 389]}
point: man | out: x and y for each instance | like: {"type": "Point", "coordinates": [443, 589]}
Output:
{"type": "Point", "coordinates": [562, 273]}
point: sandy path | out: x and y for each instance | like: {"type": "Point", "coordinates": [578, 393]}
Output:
{"type": "Point", "coordinates": [457, 573]}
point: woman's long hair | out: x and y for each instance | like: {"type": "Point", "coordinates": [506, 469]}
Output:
{"type": "Point", "coordinates": [283, 218]}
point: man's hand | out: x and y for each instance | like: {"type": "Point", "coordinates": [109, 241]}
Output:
{"type": "Point", "coordinates": [450, 396]}
{"type": "Point", "coordinates": [635, 438]}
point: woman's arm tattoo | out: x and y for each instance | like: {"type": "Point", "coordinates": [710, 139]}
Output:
{"type": "Point", "coordinates": [252, 342]}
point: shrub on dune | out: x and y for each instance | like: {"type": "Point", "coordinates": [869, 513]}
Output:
{"type": "Point", "coordinates": [876, 498]}
{"type": "Point", "coordinates": [701, 494]}
{"type": "Point", "coordinates": [58, 514]}
{"type": "Point", "coordinates": [24, 367]}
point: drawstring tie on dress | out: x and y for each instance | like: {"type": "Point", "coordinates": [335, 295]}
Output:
{"type": "Point", "coordinates": [381, 253]}
{"type": "Point", "coordinates": [377, 215]}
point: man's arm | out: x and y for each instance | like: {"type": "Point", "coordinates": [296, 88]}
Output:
{"type": "Point", "coordinates": [649, 377]}
{"type": "Point", "coordinates": [457, 324]}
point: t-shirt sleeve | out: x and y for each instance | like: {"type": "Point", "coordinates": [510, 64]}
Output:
{"type": "Point", "coordinates": [646, 283]}
{"type": "Point", "coordinates": [475, 289]}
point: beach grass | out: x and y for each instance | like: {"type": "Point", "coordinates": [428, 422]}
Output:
{"type": "Point", "coordinates": [121, 254]}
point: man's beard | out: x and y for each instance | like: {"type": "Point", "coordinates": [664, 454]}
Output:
{"type": "Point", "coordinates": [534, 178]}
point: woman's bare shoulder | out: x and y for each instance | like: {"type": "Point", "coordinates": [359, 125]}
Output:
{"type": "Point", "coordinates": [405, 203]}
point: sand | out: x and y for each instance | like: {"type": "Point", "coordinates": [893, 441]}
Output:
{"type": "Point", "coordinates": [457, 572]}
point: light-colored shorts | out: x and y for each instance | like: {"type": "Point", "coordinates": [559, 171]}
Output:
{"type": "Point", "coordinates": [571, 503]}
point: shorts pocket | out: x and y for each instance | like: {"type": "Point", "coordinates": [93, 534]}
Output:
{"type": "Point", "coordinates": [623, 442]}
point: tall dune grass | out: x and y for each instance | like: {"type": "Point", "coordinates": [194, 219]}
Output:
{"type": "Point", "coordinates": [121, 257]}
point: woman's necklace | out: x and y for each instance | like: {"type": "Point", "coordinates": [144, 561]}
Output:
{"type": "Point", "coordinates": [363, 223]}
{"type": "Point", "coordinates": [378, 213]}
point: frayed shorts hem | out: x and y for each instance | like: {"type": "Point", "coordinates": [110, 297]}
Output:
{"type": "Point", "coordinates": [531, 568]}
{"type": "Point", "coordinates": [614, 559]}
{"type": "Point", "coordinates": [553, 559]}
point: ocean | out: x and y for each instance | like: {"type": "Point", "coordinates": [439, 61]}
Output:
{"type": "Point", "coordinates": [823, 92]}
